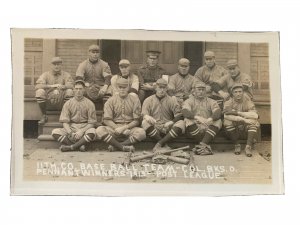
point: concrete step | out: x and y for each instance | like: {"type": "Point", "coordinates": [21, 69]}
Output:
{"type": "Point", "coordinates": [53, 116]}
{"type": "Point", "coordinates": [219, 144]}
{"type": "Point", "coordinates": [47, 128]}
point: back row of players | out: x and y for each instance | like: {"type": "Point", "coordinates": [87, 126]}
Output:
{"type": "Point", "coordinates": [172, 105]}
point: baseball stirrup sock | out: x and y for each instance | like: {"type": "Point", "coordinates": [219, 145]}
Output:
{"type": "Point", "coordinates": [85, 139]}
{"type": "Point", "coordinates": [252, 131]}
{"type": "Point", "coordinates": [42, 106]}
{"type": "Point", "coordinates": [62, 139]}
{"type": "Point", "coordinates": [173, 133]}
{"type": "Point", "coordinates": [210, 134]}
{"type": "Point", "coordinates": [153, 133]}
{"type": "Point", "coordinates": [109, 139]}
{"type": "Point", "coordinates": [195, 132]}
{"type": "Point", "coordinates": [232, 133]}
{"type": "Point", "coordinates": [130, 141]}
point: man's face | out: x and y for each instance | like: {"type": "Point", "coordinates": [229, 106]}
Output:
{"type": "Point", "coordinates": [56, 67]}
{"type": "Point", "coordinates": [125, 70]}
{"type": "Point", "coordinates": [210, 61]}
{"type": "Point", "coordinates": [237, 93]}
{"type": "Point", "coordinates": [234, 71]}
{"type": "Point", "coordinates": [152, 60]}
{"type": "Point", "coordinates": [94, 55]}
{"type": "Point", "coordinates": [200, 92]}
{"type": "Point", "coordinates": [123, 90]}
{"type": "Point", "coordinates": [78, 91]}
{"type": "Point", "coordinates": [183, 69]}
{"type": "Point", "coordinates": [180, 99]}
{"type": "Point", "coordinates": [161, 91]}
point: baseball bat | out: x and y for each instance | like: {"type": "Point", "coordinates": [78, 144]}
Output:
{"type": "Point", "coordinates": [178, 159]}
{"type": "Point", "coordinates": [141, 157]}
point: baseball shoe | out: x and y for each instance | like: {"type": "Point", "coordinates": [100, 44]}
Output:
{"type": "Point", "coordinates": [82, 148]}
{"type": "Point", "coordinates": [66, 148]}
{"type": "Point", "coordinates": [43, 120]}
{"type": "Point", "coordinates": [128, 148]}
{"type": "Point", "coordinates": [157, 147]}
{"type": "Point", "coordinates": [248, 151]}
{"type": "Point", "coordinates": [237, 149]}
{"type": "Point", "coordinates": [111, 148]}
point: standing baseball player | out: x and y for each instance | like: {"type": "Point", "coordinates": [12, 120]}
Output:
{"type": "Point", "coordinates": [122, 114]}
{"type": "Point", "coordinates": [209, 74]}
{"type": "Point", "coordinates": [97, 75]}
{"type": "Point", "coordinates": [240, 119]}
{"type": "Point", "coordinates": [125, 73]}
{"type": "Point", "coordinates": [181, 82]}
{"type": "Point", "coordinates": [235, 76]}
{"type": "Point", "coordinates": [202, 117]}
{"type": "Point", "coordinates": [162, 116]}
{"type": "Point", "coordinates": [78, 117]}
{"type": "Point", "coordinates": [149, 74]}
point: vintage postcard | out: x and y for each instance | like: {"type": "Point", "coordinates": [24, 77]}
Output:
{"type": "Point", "coordinates": [137, 112]}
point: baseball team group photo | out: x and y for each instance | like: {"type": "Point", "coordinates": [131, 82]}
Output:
{"type": "Point", "coordinates": [197, 104]}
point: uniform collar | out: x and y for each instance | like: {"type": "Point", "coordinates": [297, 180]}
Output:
{"type": "Point", "coordinates": [93, 62]}
{"type": "Point", "coordinates": [183, 76]}
{"type": "Point", "coordinates": [160, 99]}
{"type": "Point", "coordinates": [56, 73]}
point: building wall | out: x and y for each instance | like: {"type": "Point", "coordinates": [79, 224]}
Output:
{"type": "Point", "coordinates": [253, 59]}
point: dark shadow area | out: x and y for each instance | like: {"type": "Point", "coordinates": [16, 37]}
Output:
{"type": "Point", "coordinates": [266, 132]}
{"type": "Point", "coordinates": [30, 129]}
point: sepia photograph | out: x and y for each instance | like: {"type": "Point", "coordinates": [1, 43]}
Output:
{"type": "Point", "coordinates": [138, 112]}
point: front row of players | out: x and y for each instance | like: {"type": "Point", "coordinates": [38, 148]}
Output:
{"type": "Point", "coordinates": [163, 119]}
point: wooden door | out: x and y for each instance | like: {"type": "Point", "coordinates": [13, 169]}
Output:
{"type": "Point", "coordinates": [135, 52]}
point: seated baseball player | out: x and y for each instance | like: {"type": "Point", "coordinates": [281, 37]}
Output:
{"type": "Point", "coordinates": [181, 82]}
{"type": "Point", "coordinates": [53, 88]}
{"type": "Point", "coordinates": [162, 116]}
{"type": "Point", "coordinates": [133, 79]}
{"type": "Point", "coordinates": [240, 119]}
{"type": "Point", "coordinates": [78, 117]}
{"type": "Point", "coordinates": [202, 118]}
{"type": "Point", "coordinates": [234, 76]}
{"type": "Point", "coordinates": [122, 114]}
{"type": "Point", "coordinates": [97, 75]}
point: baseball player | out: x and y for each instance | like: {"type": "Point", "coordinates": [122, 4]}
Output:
{"type": "Point", "coordinates": [149, 74]}
{"type": "Point", "coordinates": [240, 119]}
{"type": "Point", "coordinates": [125, 73]}
{"type": "Point", "coordinates": [122, 114]}
{"type": "Point", "coordinates": [235, 76]}
{"type": "Point", "coordinates": [78, 117]}
{"type": "Point", "coordinates": [53, 88]}
{"type": "Point", "coordinates": [210, 73]}
{"type": "Point", "coordinates": [202, 117]}
{"type": "Point", "coordinates": [162, 116]}
{"type": "Point", "coordinates": [182, 81]}
{"type": "Point", "coordinates": [97, 75]}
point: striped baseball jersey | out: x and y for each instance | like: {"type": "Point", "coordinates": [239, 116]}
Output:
{"type": "Point", "coordinates": [208, 76]}
{"type": "Point", "coordinates": [227, 82]}
{"type": "Point", "coordinates": [245, 105]}
{"type": "Point", "coordinates": [49, 78]}
{"type": "Point", "coordinates": [181, 84]}
{"type": "Point", "coordinates": [162, 110]}
{"type": "Point", "coordinates": [82, 111]}
{"type": "Point", "coordinates": [122, 110]}
{"type": "Point", "coordinates": [94, 73]}
{"type": "Point", "coordinates": [205, 107]}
